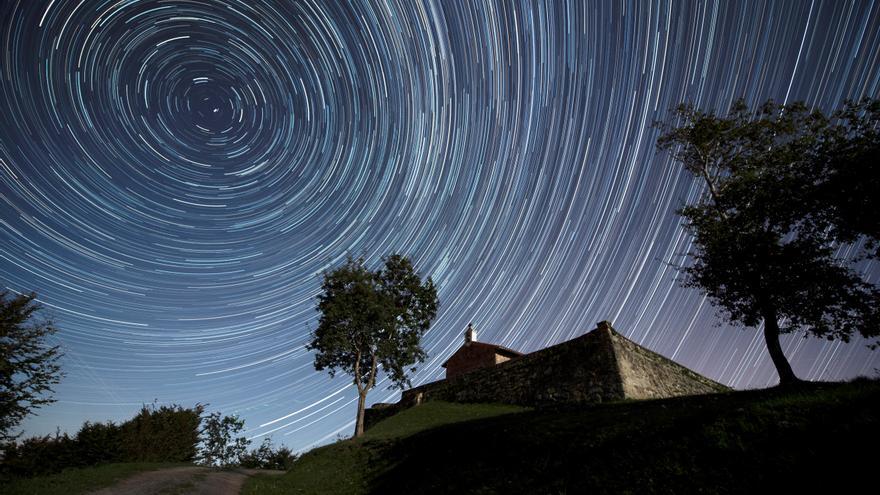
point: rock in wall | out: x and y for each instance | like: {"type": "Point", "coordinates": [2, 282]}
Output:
{"type": "Point", "coordinates": [648, 375]}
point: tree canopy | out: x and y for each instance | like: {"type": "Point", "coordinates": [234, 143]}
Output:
{"type": "Point", "coordinates": [28, 364]}
{"type": "Point", "coordinates": [221, 447]}
{"type": "Point", "coordinates": [844, 173]}
{"type": "Point", "coordinates": [371, 321]}
{"type": "Point", "coordinates": [785, 188]}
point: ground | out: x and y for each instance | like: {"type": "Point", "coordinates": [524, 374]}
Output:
{"type": "Point", "coordinates": [137, 479]}
{"type": "Point", "coordinates": [190, 480]}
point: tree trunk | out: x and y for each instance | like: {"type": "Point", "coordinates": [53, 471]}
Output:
{"type": "Point", "coordinates": [359, 423]}
{"type": "Point", "coordinates": [771, 338]}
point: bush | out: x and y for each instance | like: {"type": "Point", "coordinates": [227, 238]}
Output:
{"type": "Point", "coordinates": [265, 457]}
{"type": "Point", "coordinates": [39, 455]}
{"type": "Point", "coordinates": [98, 443]}
{"type": "Point", "coordinates": [162, 434]}
{"type": "Point", "coordinates": [155, 434]}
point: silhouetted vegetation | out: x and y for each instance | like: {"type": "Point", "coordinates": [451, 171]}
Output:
{"type": "Point", "coordinates": [372, 320]}
{"type": "Point", "coordinates": [162, 434]}
{"type": "Point", "coordinates": [268, 457]}
{"type": "Point", "coordinates": [784, 187]}
{"type": "Point", "coordinates": [220, 445]}
{"type": "Point", "coordinates": [845, 194]}
{"type": "Point", "coordinates": [155, 434]}
{"type": "Point", "coordinates": [28, 364]}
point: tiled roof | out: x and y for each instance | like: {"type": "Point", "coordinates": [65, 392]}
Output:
{"type": "Point", "coordinates": [499, 349]}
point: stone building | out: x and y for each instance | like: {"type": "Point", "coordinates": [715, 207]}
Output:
{"type": "Point", "coordinates": [474, 355]}
{"type": "Point", "coordinates": [599, 366]}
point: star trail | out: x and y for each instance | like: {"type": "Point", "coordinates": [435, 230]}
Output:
{"type": "Point", "coordinates": [175, 175]}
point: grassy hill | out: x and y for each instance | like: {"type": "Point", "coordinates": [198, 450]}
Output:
{"type": "Point", "coordinates": [818, 436]}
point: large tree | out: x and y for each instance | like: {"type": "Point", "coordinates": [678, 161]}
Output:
{"type": "Point", "coordinates": [372, 320]}
{"type": "Point", "coordinates": [28, 364]}
{"type": "Point", "coordinates": [781, 192]}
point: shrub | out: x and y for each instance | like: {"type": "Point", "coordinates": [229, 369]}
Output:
{"type": "Point", "coordinates": [155, 434]}
{"type": "Point", "coordinates": [266, 457]}
{"type": "Point", "coordinates": [162, 434]}
{"type": "Point", "coordinates": [282, 459]}
{"type": "Point", "coordinates": [39, 455]}
{"type": "Point", "coordinates": [98, 443]}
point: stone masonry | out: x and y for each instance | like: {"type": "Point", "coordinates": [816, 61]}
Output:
{"type": "Point", "coordinates": [599, 366]}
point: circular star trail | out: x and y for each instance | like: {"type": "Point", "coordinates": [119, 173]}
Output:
{"type": "Point", "coordinates": [175, 175]}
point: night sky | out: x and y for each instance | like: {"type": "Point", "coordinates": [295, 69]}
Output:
{"type": "Point", "coordinates": [175, 175]}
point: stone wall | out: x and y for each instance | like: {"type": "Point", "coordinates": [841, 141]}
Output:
{"type": "Point", "coordinates": [648, 375]}
{"type": "Point", "coordinates": [599, 366]}
{"type": "Point", "coordinates": [579, 370]}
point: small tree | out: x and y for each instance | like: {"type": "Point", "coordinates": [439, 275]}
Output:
{"type": "Point", "coordinates": [28, 365]}
{"type": "Point", "coordinates": [763, 240]}
{"type": "Point", "coordinates": [371, 320]}
{"type": "Point", "coordinates": [220, 446]}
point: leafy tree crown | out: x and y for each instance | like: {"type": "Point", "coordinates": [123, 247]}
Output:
{"type": "Point", "coordinates": [28, 364]}
{"type": "Point", "coordinates": [373, 319]}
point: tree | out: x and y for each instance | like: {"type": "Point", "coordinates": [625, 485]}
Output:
{"type": "Point", "coordinates": [220, 446]}
{"type": "Point", "coordinates": [778, 200]}
{"type": "Point", "coordinates": [28, 365]}
{"type": "Point", "coordinates": [372, 320]}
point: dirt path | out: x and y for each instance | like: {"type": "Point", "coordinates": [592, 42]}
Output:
{"type": "Point", "coordinates": [183, 481]}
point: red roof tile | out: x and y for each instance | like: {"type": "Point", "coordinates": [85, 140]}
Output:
{"type": "Point", "coordinates": [499, 349]}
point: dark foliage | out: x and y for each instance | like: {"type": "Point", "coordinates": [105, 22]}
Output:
{"type": "Point", "coordinates": [36, 456]}
{"type": "Point", "coordinates": [155, 434]}
{"type": "Point", "coordinates": [373, 320]}
{"type": "Point", "coordinates": [784, 187]}
{"type": "Point", "coordinates": [845, 198]}
{"type": "Point", "coordinates": [220, 445]}
{"type": "Point", "coordinates": [162, 434]}
{"type": "Point", "coordinates": [99, 443]}
{"type": "Point", "coordinates": [268, 457]}
{"type": "Point", "coordinates": [28, 365]}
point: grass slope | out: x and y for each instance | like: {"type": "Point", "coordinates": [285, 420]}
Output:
{"type": "Point", "coordinates": [352, 464]}
{"type": "Point", "coordinates": [81, 480]}
{"type": "Point", "coordinates": [820, 436]}
{"type": "Point", "coordinates": [432, 415]}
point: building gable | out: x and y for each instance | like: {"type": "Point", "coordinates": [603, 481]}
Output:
{"type": "Point", "coordinates": [475, 355]}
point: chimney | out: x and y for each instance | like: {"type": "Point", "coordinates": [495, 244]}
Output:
{"type": "Point", "coordinates": [470, 335]}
